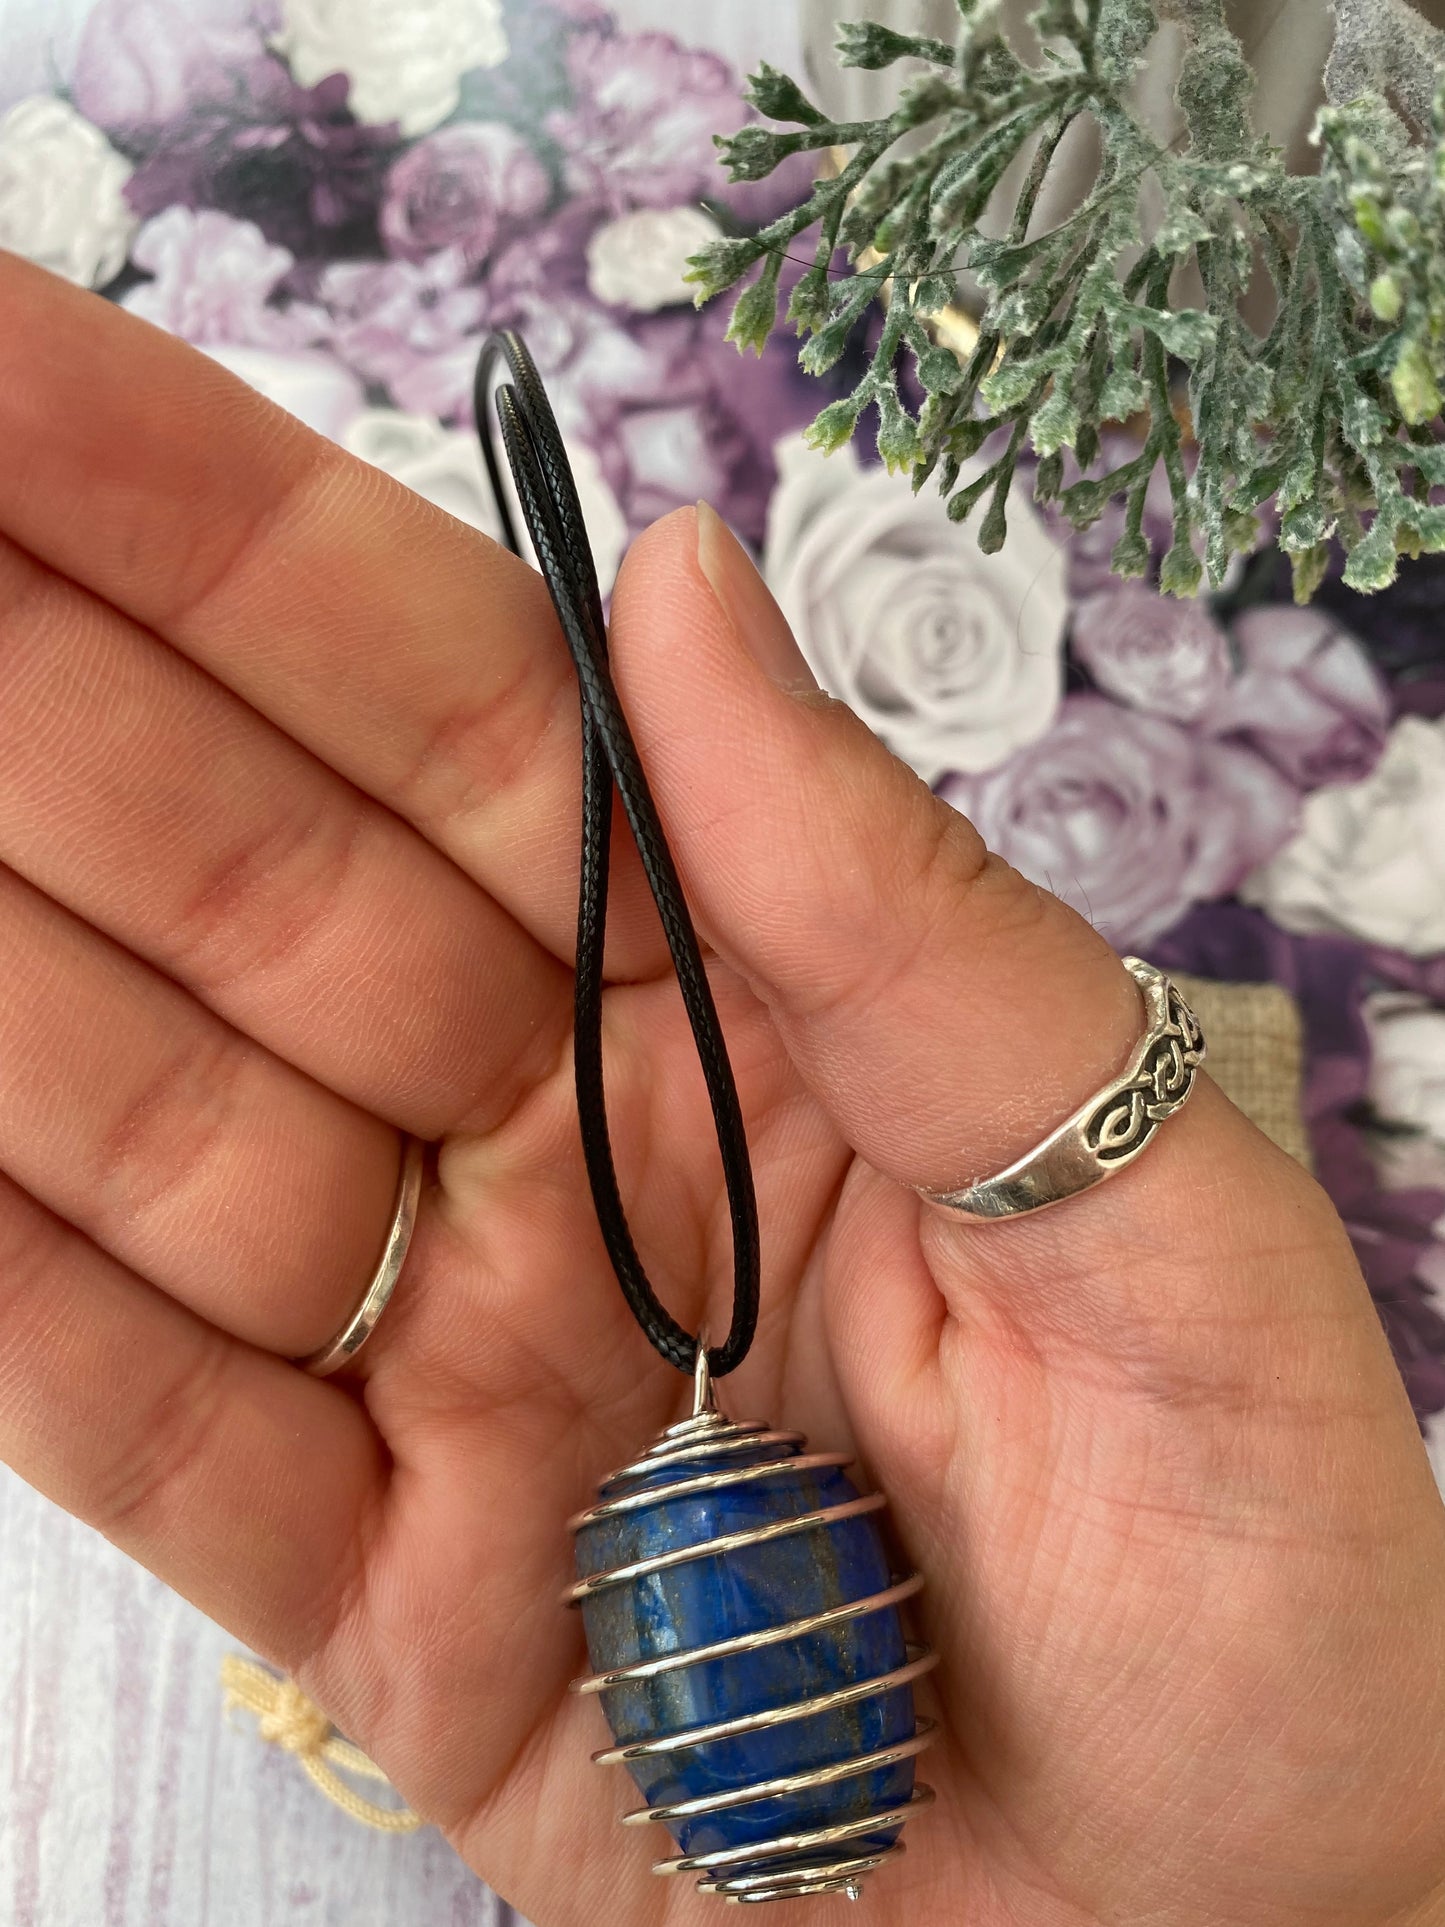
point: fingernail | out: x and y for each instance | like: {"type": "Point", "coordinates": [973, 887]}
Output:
{"type": "Point", "coordinates": [748, 603]}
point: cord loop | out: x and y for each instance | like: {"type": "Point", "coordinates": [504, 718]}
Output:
{"type": "Point", "coordinates": [553, 514]}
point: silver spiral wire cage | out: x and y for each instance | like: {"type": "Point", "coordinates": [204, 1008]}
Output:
{"type": "Point", "coordinates": [818, 1860]}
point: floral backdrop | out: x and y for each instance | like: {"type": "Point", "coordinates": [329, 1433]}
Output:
{"type": "Point", "coordinates": [336, 198]}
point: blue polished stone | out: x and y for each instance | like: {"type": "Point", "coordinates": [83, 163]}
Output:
{"type": "Point", "coordinates": [717, 1595]}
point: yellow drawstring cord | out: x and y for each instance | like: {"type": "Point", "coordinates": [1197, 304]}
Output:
{"type": "Point", "coordinates": [288, 1719]}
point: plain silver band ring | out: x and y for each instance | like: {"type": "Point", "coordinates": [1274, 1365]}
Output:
{"type": "Point", "coordinates": [1112, 1128]}
{"type": "Point", "coordinates": [362, 1322]}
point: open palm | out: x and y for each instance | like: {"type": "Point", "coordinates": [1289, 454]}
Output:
{"type": "Point", "coordinates": [288, 820]}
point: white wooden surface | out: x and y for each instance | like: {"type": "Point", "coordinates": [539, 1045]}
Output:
{"type": "Point", "coordinates": [127, 1800]}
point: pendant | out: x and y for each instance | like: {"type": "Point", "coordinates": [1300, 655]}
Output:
{"type": "Point", "coordinates": [743, 1626]}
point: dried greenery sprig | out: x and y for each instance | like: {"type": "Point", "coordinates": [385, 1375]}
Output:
{"type": "Point", "coordinates": [1332, 412]}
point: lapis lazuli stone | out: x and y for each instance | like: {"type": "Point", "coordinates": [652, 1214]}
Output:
{"type": "Point", "coordinates": [717, 1595]}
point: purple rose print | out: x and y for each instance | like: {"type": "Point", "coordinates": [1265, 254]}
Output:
{"type": "Point", "coordinates": [1400, 627]}
{"type": "Point", "coordinates": [412, 328]}
{"type": "Point", "coordinates": [1327, 977]}
{"type": "Point", "coordinates": [640, 127]}
{"type": "Point", "coordinates": [537, 282]}
{"type": "Point", "coordinates": [1306, 696]}
{"type": "Point", "coordinates": [1162, 654]}
{"type": "Point", "coordinates": [213, 282]}
{"type": "Point", "coordinates": [1129, 818]}
{"type": "Point", "coordinates": [654, 419]}
{"type": "Point", "coordinates": [142, 64]}
{"type": "Point", "coordinates": [292, 159]}
{"type": "Point", "coordinates": [594, 365]}
{"type": "Point", "coordinates": [671, 410]}
{"type": "Point", "coordinates": [678, 451]}
{"type": "Point", "coordinates": [1393, 1231]}
{"type": "Point", "coordinates": [670, 419]}
{"type": "Point", "coordinates": [549, 259]}
{"type": "Point", "coordinates": [462, 187]}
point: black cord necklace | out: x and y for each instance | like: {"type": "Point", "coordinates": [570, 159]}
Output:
{"type": "Point", "coordinates": [741, 1613]}
{"type": "Point", "coordinates": [553, 514]}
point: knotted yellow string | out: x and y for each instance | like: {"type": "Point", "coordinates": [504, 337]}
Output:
{"type": "Point", "coordinates": [288, 1719]}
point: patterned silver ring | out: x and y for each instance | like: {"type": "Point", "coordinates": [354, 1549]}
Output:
{"type": "Point", "coordinates": [1112, 1128]}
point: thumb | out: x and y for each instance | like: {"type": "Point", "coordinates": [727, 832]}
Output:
{"type": "Point", "coordinates": [946, 1011]}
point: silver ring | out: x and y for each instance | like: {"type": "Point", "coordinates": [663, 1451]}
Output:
{"type": "Point", "coordinates": [362, 1322]}
{"type": "Point", "coordinates": [1112, 1128]}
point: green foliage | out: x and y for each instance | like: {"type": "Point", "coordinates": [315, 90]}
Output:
{"type": "Point", "coordinates": [1331, 413]}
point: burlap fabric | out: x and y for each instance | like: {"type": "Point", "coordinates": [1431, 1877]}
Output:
{"type": "Point", "coordinates": [1255, 1054]}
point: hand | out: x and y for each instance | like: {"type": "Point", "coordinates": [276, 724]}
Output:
{"type": "Point", "coordinates": [288, 809]}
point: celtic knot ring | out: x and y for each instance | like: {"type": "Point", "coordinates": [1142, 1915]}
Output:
{"type": "Point", "coordinates": [1112, 1128]}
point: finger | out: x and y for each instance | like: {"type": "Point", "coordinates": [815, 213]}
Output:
{"type": "Point", "coordinates": [948, 1013]}
{"type": "Point", "coordinates": [221, 1174]}
{"type": "Point", "coordinates": [909, 969]}
{"type": "Point", "coordinates": [413, 655]}
{"type": "Point", "coordinates": [153, 802]}
{"type": "Point", "coordinates": [238, 1480]}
